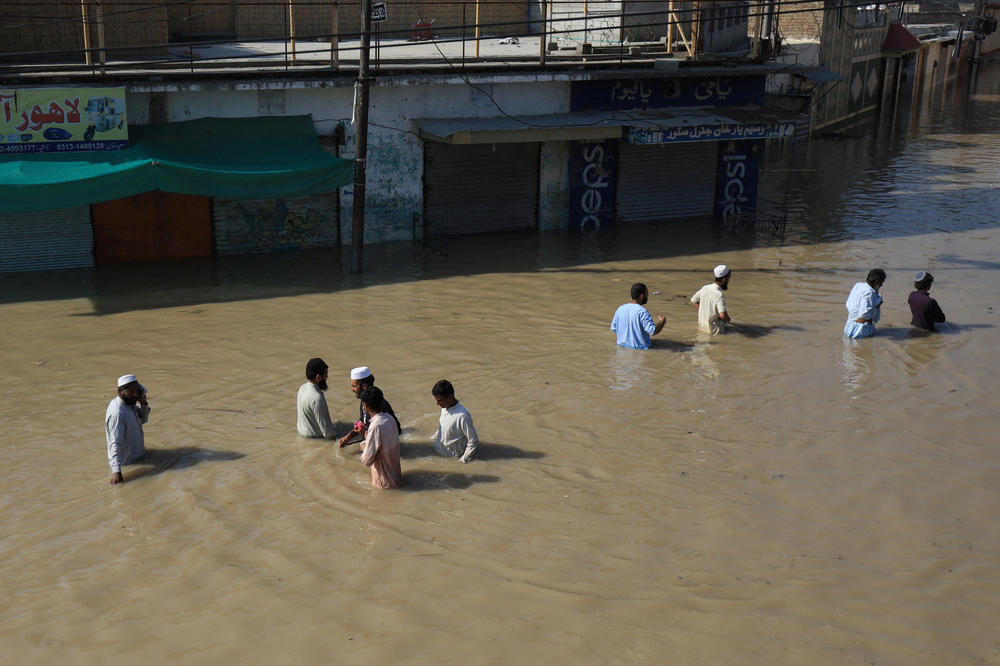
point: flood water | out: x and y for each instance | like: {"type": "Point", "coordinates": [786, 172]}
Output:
{"type": "Point", "coordinates": [778, 495]}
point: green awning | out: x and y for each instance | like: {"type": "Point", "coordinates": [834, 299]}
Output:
{"type": "Point", "coordinates": [269, 156]}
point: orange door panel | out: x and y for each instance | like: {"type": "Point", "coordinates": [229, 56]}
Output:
{"type": "Point", "coordinates": [152, 226]}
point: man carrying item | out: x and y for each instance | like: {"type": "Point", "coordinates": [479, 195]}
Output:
{"type": "Point", "coordinates": [313, 414]}
{"type": "Point", "coordinates": [926, 311]}
{"type": "Point", "coordinates": [456, 435]}
{"type": "Point", "coordinates": [381, 448]}
{"type": "Point", "coordinates": [711, 302]}
{"type": "Point", "coordinates": [632, 323]}
{"type": "Point", "coordinates": [362, 378]}
{"type": "Point", "coordinates": [123, 425]}
{"type": "Point", "coordinates": [864, 305]}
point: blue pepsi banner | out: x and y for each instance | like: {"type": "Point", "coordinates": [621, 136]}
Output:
{"type": "Point", "coordinates": [736, 178]}
{"type": "Point", "coordinates": [662, 93]}
{"type": "Point", "coordinates": [593, 181]}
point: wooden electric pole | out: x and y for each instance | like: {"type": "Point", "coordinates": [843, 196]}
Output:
{"type": "Point", "coordinates": [361, 141]}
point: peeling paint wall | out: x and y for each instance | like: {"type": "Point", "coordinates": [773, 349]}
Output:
{"type": "Point", "coordinates": [553, 185]}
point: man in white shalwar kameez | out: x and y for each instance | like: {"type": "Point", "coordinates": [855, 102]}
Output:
{"type": "Point", "coordinates": [123, 425]}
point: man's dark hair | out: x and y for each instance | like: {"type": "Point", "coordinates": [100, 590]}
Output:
{"type": "Point", "coordinates": [443, 388]}
{"type": "Point", "coordinates": [366, 381]}
{"type": "Point", "coordinates": [875, 277]}
{"type": "Point", "coordinates": [314, 367]}
{"type": "Point", "coordinates": [372, 396]}
{"type": "Point", "coordinates": [638, 289]}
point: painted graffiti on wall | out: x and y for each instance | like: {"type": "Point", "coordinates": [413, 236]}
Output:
{"type": "Point", "coordinates": [263, 225]}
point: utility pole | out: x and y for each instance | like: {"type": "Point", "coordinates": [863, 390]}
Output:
{"type": "Point", "coordinates": [361, 141]}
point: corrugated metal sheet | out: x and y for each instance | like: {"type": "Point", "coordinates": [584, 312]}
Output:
{"type": "Point", "coordinates": [662, 181]}
{"type": "Point", "coordinates": [46, 239]}
{"type": "Point", "coordinates": [244, 226]}
{"type": "Point", "coordinates": [480, 188]}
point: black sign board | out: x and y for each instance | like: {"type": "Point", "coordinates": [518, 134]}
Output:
{"type": "Point", "coordinates": [379, 12]}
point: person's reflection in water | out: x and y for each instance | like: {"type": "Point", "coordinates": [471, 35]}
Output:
{"type": "Point", "coordinates": [704, 365]}
{"type": "Point", "coordinates": [857, 361]}
{"type": "Point", "coordinates": [627, 370]}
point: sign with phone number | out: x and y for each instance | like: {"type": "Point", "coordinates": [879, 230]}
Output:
{"type": "Point", "coordinates": [62, 119]}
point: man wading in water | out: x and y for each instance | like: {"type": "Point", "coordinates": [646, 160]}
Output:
{"type": "Point", "coordinates": [123, 425]}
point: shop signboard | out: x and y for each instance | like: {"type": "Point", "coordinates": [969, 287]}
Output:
{"type": "Point", "coordinates": [710, 132]}
{"type": "Point", "coordinates": [42, 120]}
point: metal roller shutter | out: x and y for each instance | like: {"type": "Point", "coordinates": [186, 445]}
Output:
{"type": "Point", "coordinates": [664, 181]}
{"type": "Point", "coordinates": [244, 226]}
{"type": "Point", "coordinates": [45, 239]}
{"type": "Point", "coordinates": [478, 188]}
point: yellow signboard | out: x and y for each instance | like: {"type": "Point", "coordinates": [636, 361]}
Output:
{"type": "Point", "coordinates": [44, 120]}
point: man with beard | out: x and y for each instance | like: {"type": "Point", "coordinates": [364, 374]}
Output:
{"type": "Point", "coordinates": [362, 378]}
{"type": "Point", "coordinates": [632, 324]}
{"type": "Point", "coordinates": [123, 425]}
{"type": "Point", "coordinates": [711, 302]}
{"type": "Point", "coordinates": [314, 416]}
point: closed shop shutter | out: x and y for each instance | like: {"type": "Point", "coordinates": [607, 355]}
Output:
{"type": "Point", "coordinates": [243, 226]}
{"type": "Point", "coordinates": [152, 226]}
{"type": "Point", "coordinates": [479, 188]}
{"type": "Point", "coordinates": [46, 239]}
{"type": "Point", "coordinates": [665, 181]}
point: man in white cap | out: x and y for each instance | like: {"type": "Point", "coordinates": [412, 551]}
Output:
{"type": "Point", "coordinates": [711, 302]}
{"type": "Point", "coordinates": [123, 425]}
{"type": "Point", "coordinates": [362, 378]}
{"type": "Point", "coordinates": [926, 311]}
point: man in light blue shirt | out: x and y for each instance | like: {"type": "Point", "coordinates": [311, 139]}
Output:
{"type": "Point", "coordinates": [632, 323]}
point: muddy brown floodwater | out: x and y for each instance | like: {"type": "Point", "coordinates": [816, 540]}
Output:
{"type": "Point", "coordinates": [774, 496]}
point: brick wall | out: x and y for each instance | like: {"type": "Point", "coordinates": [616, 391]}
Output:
{"type": "Point", "coordinates": [794, 22]}
{"type": "Point", "coordinates": [59, 28]}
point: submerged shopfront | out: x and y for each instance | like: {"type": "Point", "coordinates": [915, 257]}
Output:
{"type": "Point", "coordinates": [162, 194]}
{"type": "Point", "coordinates": [236, 167]}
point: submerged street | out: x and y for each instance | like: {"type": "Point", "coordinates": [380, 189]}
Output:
{"type": "Point", "coordinates": [778, 495]}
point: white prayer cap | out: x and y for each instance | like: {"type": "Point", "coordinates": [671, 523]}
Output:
{"type": "Point", "coordinates": [126, 379]}
{"type": "Point", "coordinates": [361, 372]}
{"type": "Point", "coordinates": [721, 271]}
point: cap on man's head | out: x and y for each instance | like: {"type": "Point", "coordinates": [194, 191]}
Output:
{"type": "Point", "coordinates": [126, 379]}
{"type": "Point", "coordinates": [721, 271]}
{"type": "Point", "coordinates": [922, 280]}
{"type": "Point", "coordinates": [360, 372]}
{"type": "Point", "coordinates": [314, 367]}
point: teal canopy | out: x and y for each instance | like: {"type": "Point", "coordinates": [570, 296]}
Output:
{"type": "Point", "coordinates": [264, 157]}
